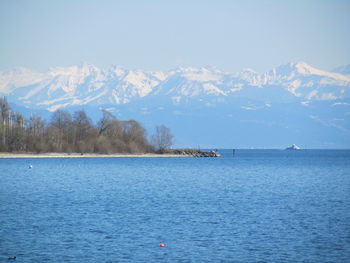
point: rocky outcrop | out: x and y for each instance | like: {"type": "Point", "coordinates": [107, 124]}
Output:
{"type": "Point", "coordinates": [196, 153]}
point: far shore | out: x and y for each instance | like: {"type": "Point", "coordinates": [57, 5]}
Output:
{"type": "Point", "coordinates": [86, 155]}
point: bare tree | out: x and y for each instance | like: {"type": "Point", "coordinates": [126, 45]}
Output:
{"type": "Point", "coordinates": [105, 122]}
{"type": "Point", "coordinates": [16, 134]}
{"type": "Point", "coordinates": [66, 134]}
{"type": "Point", "coordinates": [4, 122]}
{"type": "Point", "coordinates": [60, 130]}
{"type": "Point", "coordinates": [35, 130]}
{"type": "Point", "coordinates": [162, 140]}
{"type": "Point", "coordinates": [110, 134]}
{"type": "Point", "coordinates": [134, 136]}
{"type": "Point", "coordinates": [83, 132]}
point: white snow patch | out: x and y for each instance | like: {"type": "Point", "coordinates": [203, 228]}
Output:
{"type": "Point", "coordinates": [50, 102]}
{"type": "Point", "coordinates": [293, 91]}
{"type": "Point", "coordinates": [341, 104]}
{"type": "Point", "coordinates": [201, 75]}
{"type": "Point", "coordinates": [328, 96]}
{"type": "Point", "coordinates": [92, 98]}
{"type": "Point", "coordinates": [236, 89]}
{"type": "Point", "coordinates": [212, 89]}
{"type": "Point", "coordinates": [295, 84]}
{"type": "Point", "coordinates": [58, 106]}
{"type": "Point", "coordinates": [118, 71]}
{"type": "Point", "coordinates": [19, 77]}
{"type": "Point", "coordinates": [306, 69]}
{"type": "Point", "coordinates": [248, 108]}
{"type": "Point", "coordinates": [333, 81]}
{"type": "Point", "coordinates": [160, 75]}
{"type": "Point", "coordinates": [312, 94]}
{"type": "Point", "coordinates": [176, 99]}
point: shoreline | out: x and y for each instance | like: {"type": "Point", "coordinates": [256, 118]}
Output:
{"type": "Point", "coordinates": [87, 155]}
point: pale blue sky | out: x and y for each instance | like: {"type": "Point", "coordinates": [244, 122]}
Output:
{"type": "Point", "coordinates": [162, 35]}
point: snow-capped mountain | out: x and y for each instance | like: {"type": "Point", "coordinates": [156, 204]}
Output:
{"type": "Point", "coordinates": [305, 81]}
{"type": "Point", "coordinates": [89, 85]}
{"type": "Point", "coordinates": [77, 85]}
{"type": "Point", "coordinates": [294, 101]}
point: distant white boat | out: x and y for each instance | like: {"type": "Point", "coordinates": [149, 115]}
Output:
{"type": "Point", "coordinates": [293, 147]}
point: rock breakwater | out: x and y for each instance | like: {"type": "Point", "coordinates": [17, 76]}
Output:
{"type": "Point", "coordinates": [196, 153]}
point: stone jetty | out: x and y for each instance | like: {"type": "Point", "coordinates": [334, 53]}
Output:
{"type": "Point", "coordinates": [196, 153]}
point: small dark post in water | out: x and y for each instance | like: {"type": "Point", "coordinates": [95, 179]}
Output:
{"type": "Point", "coordinates": [233, 152]}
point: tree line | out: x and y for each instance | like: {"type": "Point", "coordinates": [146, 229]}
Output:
{"type": "Point", "coordinates": [66, 132]}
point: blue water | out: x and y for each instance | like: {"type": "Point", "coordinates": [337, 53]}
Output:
{"type": "Point", "coordinates": [260, 206]}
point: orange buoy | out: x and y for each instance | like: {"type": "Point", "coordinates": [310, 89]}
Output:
{"type": "Point", "coordinates": [162, 245]}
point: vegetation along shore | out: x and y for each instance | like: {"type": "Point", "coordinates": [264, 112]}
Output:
{"type": "Point", "coordinates": [74, 135]}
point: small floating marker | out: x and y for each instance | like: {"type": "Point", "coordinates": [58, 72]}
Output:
{"type": "Point", "coordinates": [30, 166]}
{"type": "Point", "coordinates": [162, 245]}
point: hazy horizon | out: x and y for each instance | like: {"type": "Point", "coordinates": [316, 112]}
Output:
{"type": "Point", "coordinates": [162, 35]}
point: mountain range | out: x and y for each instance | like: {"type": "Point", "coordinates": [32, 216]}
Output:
{"type": "Point", "coordinates": [204, 107]}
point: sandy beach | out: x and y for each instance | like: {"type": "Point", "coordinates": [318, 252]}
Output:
{"type": "Point", "coordinates": [86, 155]}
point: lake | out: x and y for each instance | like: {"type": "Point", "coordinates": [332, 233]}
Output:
{"type": "Point", "coordinates": [258, 206]}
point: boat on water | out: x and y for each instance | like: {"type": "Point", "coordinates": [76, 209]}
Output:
{"type": "Point", "coordinates": [293, 147]}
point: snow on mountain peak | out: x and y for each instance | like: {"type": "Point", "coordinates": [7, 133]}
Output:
{"type": "Point", "coordinates": [86, 83]}
{"type": "Point", "coordinates": [302, 69]}
{"type": "Point", "coordinates": [18, 77]}
{"type": "Point", "coordinates": [305, 69]}
{"type": "Point", "coordinates": [117, 71]}
{"type": "Point", "coordinates": [200, 74]}
{"type": "Point", "coordinates": [141, 81]}
{"type": "Point", "coordinates": [291, 71]}
{"type": "Point", "coordinates": [82, 70]}
{"type": "Point", "coordinates": [303, 80]}
{"type": "Point", "coordinates": [250, 76]}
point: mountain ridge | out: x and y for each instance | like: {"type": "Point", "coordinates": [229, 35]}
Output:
{"type": "Point", "coordinates": [87, 84]}
{"type": "Point", "coordinates": [292, 103]}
